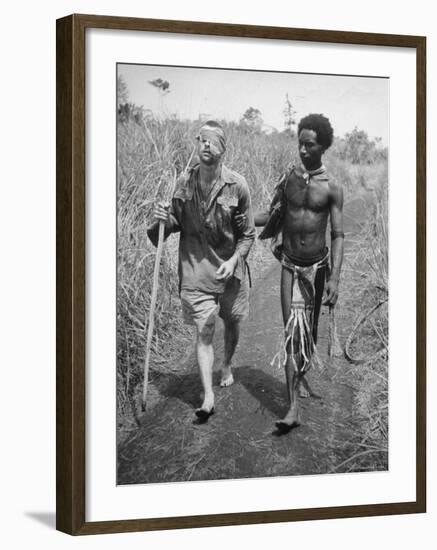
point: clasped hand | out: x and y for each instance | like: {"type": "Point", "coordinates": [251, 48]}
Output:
{"type": "Point", "coordinates": [161, 212]}
{"type": "Point", "coordinates": [226, 270]}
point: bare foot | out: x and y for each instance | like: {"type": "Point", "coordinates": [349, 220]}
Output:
{"type": "Point", "coordinates": [290, 421]}
{"type": "Point", "coordinates": [227, 378]}
{"type": "Point", "coordinates": [208, 402]}
{"type": "Point", "coordinates": [303, 389]}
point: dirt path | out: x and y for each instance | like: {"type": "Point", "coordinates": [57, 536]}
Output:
{"type": "Point", "coordinates": [240, 440]}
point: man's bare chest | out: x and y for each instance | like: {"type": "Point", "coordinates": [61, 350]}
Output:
{"type": "Point", "coordinates": [309, 196]}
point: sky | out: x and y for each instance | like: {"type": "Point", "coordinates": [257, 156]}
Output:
{"type": "Point", "coordinates": [348, 101]}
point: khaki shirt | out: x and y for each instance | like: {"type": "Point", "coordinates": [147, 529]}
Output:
{"type": "Point", "coordinates": [208, 234]}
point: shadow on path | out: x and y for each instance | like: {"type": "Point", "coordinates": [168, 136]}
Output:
{"type": "Point", "coordinates": [267, 390]}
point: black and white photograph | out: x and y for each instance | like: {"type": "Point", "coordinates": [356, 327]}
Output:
{"type": "Point", "coordinates": [218, 331]}
{"type": "Point", "coordinates": [252, 274]}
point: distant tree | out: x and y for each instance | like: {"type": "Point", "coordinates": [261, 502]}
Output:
{"type": "Point", "coordinates": [289, 116]}
{"type": "Point", "coordinates": [129, 111]}
{"type": "Point", "coordinates": [359, 149]}
{"type": "Point", "coordinates": [163, 86]}
{"type": "Point", "coordinates": [122, 91]}
{"type": "Point", "coordinates": [356, 147]}
{"type": "Point", "coordinates": [252, 119]}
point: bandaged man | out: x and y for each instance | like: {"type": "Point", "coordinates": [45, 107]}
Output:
{"type": "Point", "coordinates": [305, 198]}
{"type": "Point", "coordinates": [208, 201]}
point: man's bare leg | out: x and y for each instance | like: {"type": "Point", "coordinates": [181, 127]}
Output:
{"type": "Point", "coordinates": [303, 389]}
{"type": "Point", "coordinates": [231, 336]}
{"type": "Point", "coordinates": [291, 419]}
{"type": "Point", "coordinates": [205, 359]}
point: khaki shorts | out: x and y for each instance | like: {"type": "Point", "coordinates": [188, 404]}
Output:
{"type": "Point", "coordinates": [201, 308]}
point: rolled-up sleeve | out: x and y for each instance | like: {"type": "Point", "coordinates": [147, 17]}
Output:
{"type": "Point", "coordinates": [246, 237]}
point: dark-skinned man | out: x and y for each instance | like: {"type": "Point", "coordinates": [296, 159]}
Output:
{"type": "Point", "coordinates": [305, 199]}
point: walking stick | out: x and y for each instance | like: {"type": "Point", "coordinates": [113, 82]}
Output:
{"type": "Point", "coordinates": [155, 285]}
{"type": "Point", "coordinates": [151, 323]}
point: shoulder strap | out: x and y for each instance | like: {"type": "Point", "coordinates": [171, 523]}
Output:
{"type": "Point", "coordinates": [283, 180]}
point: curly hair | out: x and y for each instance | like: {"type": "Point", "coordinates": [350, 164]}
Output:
{"type": "Point", "coordinates": [319, 124]}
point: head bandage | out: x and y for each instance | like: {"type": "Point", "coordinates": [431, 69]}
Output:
{"type": "Point", "coordinates": [216, 138]}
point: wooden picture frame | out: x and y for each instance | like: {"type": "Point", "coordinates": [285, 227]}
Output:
{"type": "Point", "coordinates": [71, 278]}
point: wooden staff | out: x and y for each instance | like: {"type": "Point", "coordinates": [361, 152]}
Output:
{"type": "Point", "coordinates": [155, 285]}
{"type": "Point", "coordinates": [151, 323]}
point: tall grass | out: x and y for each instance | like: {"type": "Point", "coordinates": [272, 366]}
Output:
{"type": "Point", "coordinates": [147, 154]}
{"type": "Point", "coordinates": [365, 300]}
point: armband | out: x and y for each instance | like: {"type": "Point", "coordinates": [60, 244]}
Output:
{"type": "Point", "coordinates": [336, 234]}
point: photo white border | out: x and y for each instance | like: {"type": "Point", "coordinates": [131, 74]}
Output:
{"type": "Point", "coordinates": [105, 500]}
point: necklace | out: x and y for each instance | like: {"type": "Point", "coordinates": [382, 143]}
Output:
{"type": "Point", "coordinates": [308, 174]}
